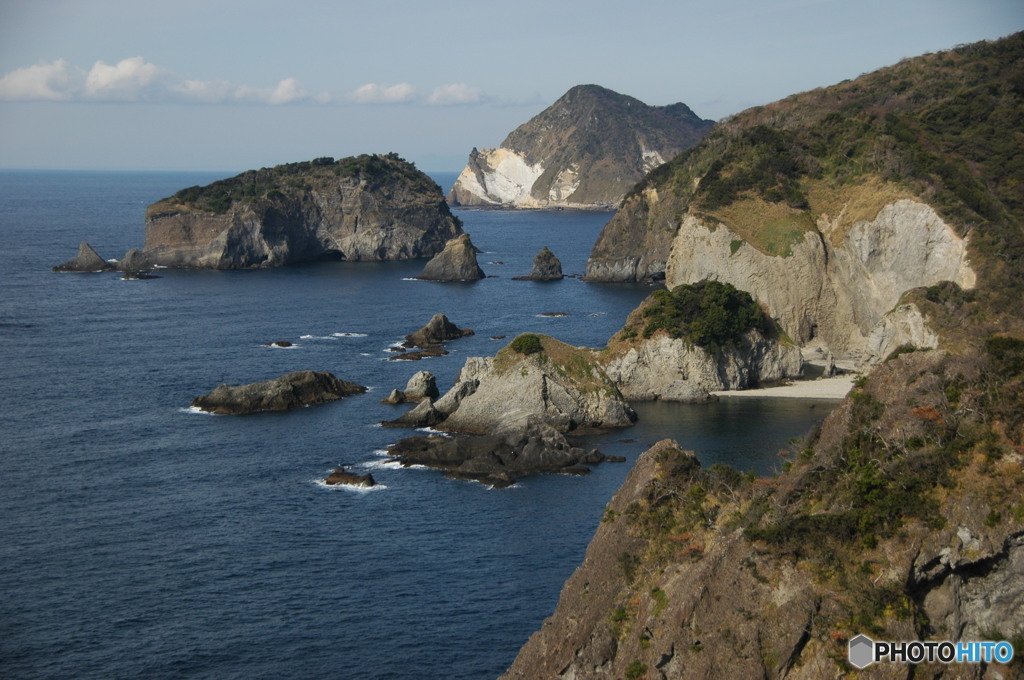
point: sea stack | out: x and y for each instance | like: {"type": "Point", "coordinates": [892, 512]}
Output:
{"type": "Point", "coordinates": [457, 262]}
{"type": "Point", "coordinates": [87, 260]}
{"type": "Point", "coordinates": [546, 267]}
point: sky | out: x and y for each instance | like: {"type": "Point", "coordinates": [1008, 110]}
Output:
{"type": "Point", "coordinates": [228, 85]}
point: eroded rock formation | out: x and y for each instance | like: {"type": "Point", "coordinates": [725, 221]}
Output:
{"type": "Point", "coordinates": [457, 262]}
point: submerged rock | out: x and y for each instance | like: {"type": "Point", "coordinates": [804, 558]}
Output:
{"type": "Point", "coordinates": [292, 390]}
{"type": "Point", "coordinates": [87, 260]}
{"type": "Point", "coordinates": [546, 267]}
{"type": "Point", "coordinates": [457, 262]}
{"type": "Point", "coordinates": [341, 476]}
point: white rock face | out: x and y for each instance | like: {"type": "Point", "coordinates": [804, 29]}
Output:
{"type": "Point", "coordinates": [832, 287]}
{"type": "Point", "coordinates": [502, 177]}
{"type": "Point", "coordinates": [530, 390]}
{"type": "Point", "coordinates": [904, 325]}
{"type": "Point", "coordinates": [669, 369]}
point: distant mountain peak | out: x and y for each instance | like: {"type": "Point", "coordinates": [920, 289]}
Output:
{"type": "Point", "coordinates": [586, 150]}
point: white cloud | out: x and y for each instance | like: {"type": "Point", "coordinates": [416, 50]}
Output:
{"type": "Point", "coordinates": [456, 93]}
{"type": "Point", "coordinates": [135, 79]}
{"type": "Point", "coordinates": [127, 80]}
{"type": "Point", "coordinates": [374, 93]}
{"type": "Point", "coordinates": [54, 81]}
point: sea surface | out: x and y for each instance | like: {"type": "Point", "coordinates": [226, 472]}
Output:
{"type": "Point", "coordinates": [139, 539]}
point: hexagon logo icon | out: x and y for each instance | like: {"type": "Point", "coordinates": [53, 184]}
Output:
{"type": "Point", "coordinates": [861, 651]}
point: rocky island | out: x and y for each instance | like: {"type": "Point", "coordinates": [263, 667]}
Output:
{"type": "Point", "coordinates": [359, 208]}
{"type": "Point", "coordinates": [584, 151]}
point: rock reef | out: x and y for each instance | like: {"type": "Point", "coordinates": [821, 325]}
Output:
{"type": "Point", "coordinates": [499, 459]}
{"type": "Point", "coordinates": [342, 477]}
{"type": "Point", "coordinates": [292, 390]}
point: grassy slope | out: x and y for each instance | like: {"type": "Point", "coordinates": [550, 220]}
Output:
{"type": "Point", "coordinates": [293, 178]}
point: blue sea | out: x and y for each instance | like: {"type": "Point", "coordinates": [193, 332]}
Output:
{"type": "Point", "coordinates": [139, 539]}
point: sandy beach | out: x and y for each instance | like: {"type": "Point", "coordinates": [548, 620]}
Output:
{"type": "Point", "coordinates": [825, 388]}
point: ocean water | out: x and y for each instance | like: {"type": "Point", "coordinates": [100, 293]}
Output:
{"type": "Point", "coordinates": [141, 539]}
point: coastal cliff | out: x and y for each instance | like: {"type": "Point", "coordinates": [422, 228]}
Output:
{"type": "Point", "coordinates": [360, 208]}
{"type": "Point", "coordinates": [584, 151]}
{"type": "Point", "coordinates": [888, 522]}
{"type": "Point", "coordinates": [830, 205]}
{"type": "Point", "coordinates": [882, 210]}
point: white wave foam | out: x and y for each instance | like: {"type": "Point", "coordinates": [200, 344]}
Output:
{"type": "Point", "coordinates": [389, 464]}
{"type": "Point", "coordinates": [411, 278]}
{"type": "Point", "coordinates": [348, 487]}
{"type": "Point", "coordinates": [348, 335]}
{"type": "Point", "coordinates": [430, 430]}
{"type": "Point", "coordinates": [364, 354]}
{"type": "Point", "coordinates": [195, 410]}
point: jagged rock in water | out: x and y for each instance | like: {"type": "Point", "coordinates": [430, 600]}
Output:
{"type": "Point", "coordinates": [457, 262]}
{"type": "Point", "coordinates": [341, 476]}
{"type": "Point", "coordinates": [422, 385]}
{"type": "Point", "coordinates": [292, 390]}
{"type": "Point", "coordinates": [546, 267]}
{"type": "Point", "coordinates": [584, 151]}
{"type": "Point", "coordinates": [396, 397]}
{"type": "Point", "coordinates": [362, 208]}
{"type": "Point", "coordinates": [422, 415]}
{"type": "Point", "coordinates": [87, 260]}
{"type": "Point", "coordinates": [134, 261]}
{"type": "Point", "coordinates": [436, 331]}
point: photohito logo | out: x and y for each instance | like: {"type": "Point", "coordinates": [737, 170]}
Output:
{"type": "Point", "coordinates": [863, 651]}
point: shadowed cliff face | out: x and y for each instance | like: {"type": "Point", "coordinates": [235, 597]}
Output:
{"type": "Point", "coordinates": [901, 520]}
{"type": "Point", "coordinates": [365, 208]}
{"type": "Point", "coordinates": [584, 151]}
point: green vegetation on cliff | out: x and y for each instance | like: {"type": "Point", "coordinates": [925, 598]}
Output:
{"type": "Point", "coordinates": [282, 180]}
{"type": "Point", "coordinates": [945, 128]}
{"type": "Point", "coordinates": [709, 314]}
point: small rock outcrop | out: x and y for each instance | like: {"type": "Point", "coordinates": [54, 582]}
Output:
{"type": "Point", "coordinates": [457, 262]}
{"type": "Point", "coordinates": [421, 386]}
{"type": "Point", "coordinates": [546, 267]}
{"type": "Point", "coordinates": [436, 332]}
{"type": "Point", "coordinates": [134, 261]}
{"type": "Point", "coordinates": [87, 260]}
{"type": "Point", "coordinates": [584, 151]}
{"type": "Point", "coordinates": [292, 390]}
{"type": "Point", "coordinates": [341, 476]}
{"type": "Point", "coordinates": [377, 207]}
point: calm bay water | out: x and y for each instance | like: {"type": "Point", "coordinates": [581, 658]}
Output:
{"type": "Point", "coordinates": [139, 539]}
